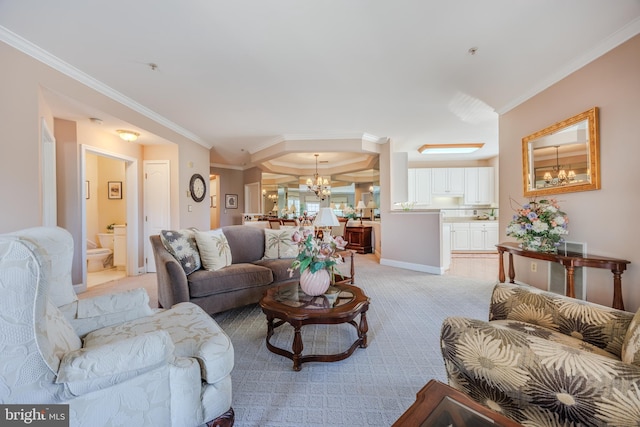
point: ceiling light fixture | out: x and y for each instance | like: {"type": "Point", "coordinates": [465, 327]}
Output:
{"type": "Point", "coordinates": [319, 185]}
{"type": "Point", "coordinates": [450, 148]}
{"type": "Point", "coordinates": [128, 135]}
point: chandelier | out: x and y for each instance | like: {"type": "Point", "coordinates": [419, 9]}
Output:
{"type": "Point", "coordinates": [562, 178]}
{"type": "Point", "coordinates": [319, 185]}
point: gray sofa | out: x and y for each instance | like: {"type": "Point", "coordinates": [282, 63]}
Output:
{"type": "Point", "coordinates": [241, 283]}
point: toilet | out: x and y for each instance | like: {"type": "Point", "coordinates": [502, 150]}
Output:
{"type": "Point", "coordinates": [100, 258]}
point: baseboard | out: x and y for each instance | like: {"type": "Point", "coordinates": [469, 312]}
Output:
{"type": "Point", "coordinates": [411, 266]}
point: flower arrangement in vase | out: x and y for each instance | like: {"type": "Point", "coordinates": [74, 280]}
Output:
{"type": "Point", "coordinates": [349, 212]}
{"type": "Point", "coordinates": [539, 225]}
{"type": "Point", "coordinates": [316, 260]}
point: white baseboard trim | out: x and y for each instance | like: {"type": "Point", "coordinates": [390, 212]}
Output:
{"type": "Point", "coordinates": [411, 266]}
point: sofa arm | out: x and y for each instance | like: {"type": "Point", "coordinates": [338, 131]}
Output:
{"type": "Point", "coordinates": [563, 314]}
{"type": "Point", "coordinates": [173, 287]}
{"type": "Point", "coordinates": [531, 379]}
{"type": "Point", "coordinates": [89, 314]}
{"type": "Point", "coordinates": [90, 369]}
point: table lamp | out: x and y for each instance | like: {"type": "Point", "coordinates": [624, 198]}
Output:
{"type": "Point", "coordinates": [326, 219]}
{"type": "Point", "coordinates": [361, 207]}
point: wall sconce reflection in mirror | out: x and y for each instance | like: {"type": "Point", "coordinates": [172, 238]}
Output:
{"type": "Point", "coordinates": [563, 158]}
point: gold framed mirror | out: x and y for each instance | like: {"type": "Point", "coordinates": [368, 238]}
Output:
{"type": "Point", "coordinates": [562, 158]}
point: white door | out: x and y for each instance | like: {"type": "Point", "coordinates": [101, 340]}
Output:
{"type": "Point", "coordinates": [157, 206]}
{"type": "Point", "coordinates": [252, 198]}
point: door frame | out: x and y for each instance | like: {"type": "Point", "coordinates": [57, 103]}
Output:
{"type": "Point", "coordinates": [148, 250]}
{"type": "Point", "coordinates": [131, 185]}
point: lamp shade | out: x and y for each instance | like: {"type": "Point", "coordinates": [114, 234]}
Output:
{"type": "Point", "coordinates": [361, 205]}
{"type": "Point", "coordinates": [326, 218]}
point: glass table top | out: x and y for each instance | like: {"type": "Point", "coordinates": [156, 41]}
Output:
{"type": "Point", "coordinates": [293, 296]}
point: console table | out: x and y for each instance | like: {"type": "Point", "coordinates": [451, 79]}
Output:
{"type": "Point", "coordinates": [569, 260]}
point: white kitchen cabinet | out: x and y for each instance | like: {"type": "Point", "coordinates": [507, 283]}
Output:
{"type": "Point", "coordinates": [479, 186]}
{"type": "Point", "coordinates": [447, 181]}
{"type": "Point", "coordinates": [483, 236]}
{"type": "Point", "coordinates": [419, 186]}
{"type": "Point", "coordinates": [474, 236]}
{"type": "Point", "coordinates": [460, 236]}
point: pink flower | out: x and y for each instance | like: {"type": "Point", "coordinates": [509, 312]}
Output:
{"type": "Point", "coordinates": [296, 237]}
{"type": "Point", "coordinates": [340, 242]}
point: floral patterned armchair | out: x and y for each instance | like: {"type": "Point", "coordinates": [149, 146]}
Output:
{"type": "Point", "coordinates": [544, 359]}
{"type": "Point", "coordinates": [112, 359]}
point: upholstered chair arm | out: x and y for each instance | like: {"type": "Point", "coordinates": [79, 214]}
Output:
{"type": "Point", "coordinates": [90, 369]}
{"type": "Point", "coordinates": [173, 287]}
{"type": "Point", "coordinates": [531, 378]}
{"type": "Point", "coordinates": [569, 316]}
{"type": "Point", "coordinates": [86, 315]}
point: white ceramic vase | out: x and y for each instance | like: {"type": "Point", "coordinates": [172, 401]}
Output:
{"type": "Point", "coordinates": [315, 283]}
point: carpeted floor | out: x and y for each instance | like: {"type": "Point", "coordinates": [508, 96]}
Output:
{"type": "Point", "coordinates": [375, 385]}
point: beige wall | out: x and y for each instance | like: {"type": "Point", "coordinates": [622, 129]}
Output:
{"type": "Point", "coordinates": [231, 182]}
{"type": "Point", "coordinates": [605, 219]}
{"type": "Point", "coordinates": [25, 84]}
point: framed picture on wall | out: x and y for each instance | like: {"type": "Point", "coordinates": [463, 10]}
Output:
{"type": "Point", "coordinates": [114, 189]}
{"type": "Point", "coordinates": [231, 201]}
{"type": "Point", "coordinates": [214, 202]}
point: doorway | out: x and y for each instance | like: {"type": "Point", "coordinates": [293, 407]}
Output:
{"type": "Point", "coordinates": [128, 190]}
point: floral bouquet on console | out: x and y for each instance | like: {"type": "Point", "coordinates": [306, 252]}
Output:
{"type": "Point", "coordinates": [539, 225]}
{"type": "Point", "coordinates": [316, 260]}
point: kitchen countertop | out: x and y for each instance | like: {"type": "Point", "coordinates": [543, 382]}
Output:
{"type": "Point", "coordinates": [467, 219]}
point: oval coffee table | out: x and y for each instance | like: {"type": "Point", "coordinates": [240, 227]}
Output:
{"type": "Point", "coordinates": [342, 303]}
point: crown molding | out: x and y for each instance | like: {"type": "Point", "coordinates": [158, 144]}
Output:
{"type": "Point", "coordinates": [317, 137]}
{"type": "Point", "coordinates": [221, 166]}
{"type": "Point", "coordinates": [611, 42]}
{"type": "Point", "coordinates": [36, 52]}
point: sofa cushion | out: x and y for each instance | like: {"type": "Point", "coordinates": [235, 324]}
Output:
{"type": "Point", "coordinates": [246, 243]}
{"type": "Point", "coordinates": [182, 245]}
{"type": "Point", "coordinates": [631, 343]}
{"type": "Point", "coordinates": [278, 244]}
{"type": "Point", "coordinates": [280, 269]}
{"type": "Point", "coordinates": [214, 249]}
{"type": "Point", "coordinates": [231, 278]}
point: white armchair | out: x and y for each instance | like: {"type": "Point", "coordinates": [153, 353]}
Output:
{"type": "Point", "coordinates": [111, 358]}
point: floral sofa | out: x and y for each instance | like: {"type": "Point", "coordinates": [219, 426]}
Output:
{"type": "Point", "coordinates": [544, 359]}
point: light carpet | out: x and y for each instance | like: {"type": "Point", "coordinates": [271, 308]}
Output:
{"type": "Point", "coordinates": [372, 387]}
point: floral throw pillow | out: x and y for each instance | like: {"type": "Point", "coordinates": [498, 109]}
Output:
{"type": "Point", "coordinates": [182, 245]}
{"type": "Point", "coordinates": [278, 244]}
{"type": "Point", "coordinates": [214, 249]}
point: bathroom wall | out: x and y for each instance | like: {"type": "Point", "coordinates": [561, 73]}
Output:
{"type": "Point", "coordinates": [102, 211]}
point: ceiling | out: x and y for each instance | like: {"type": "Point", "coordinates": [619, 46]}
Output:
{"type": "Point", "coordinates": [257, 81]}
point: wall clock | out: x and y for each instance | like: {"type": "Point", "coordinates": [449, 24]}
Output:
{"type": "Point", "coordinates": [197, 187]}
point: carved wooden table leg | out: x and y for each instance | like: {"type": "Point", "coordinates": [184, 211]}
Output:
{"type": "Point", "coordinates": [617, 290]}
{"type": "Point", "coordinates": [512, 270]}
{"type": "Point", "coordinates": [571, 289]}
{"type": "Point", "coordinates": [297, 348]}
{"type": "Point", "coordinates": [501, 277]}
{"type": "Point", "coordinates": [363, 329]}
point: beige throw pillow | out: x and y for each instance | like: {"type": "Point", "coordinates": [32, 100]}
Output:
{"type": "Point", "coordinates": [278, 244]}
{"type": "Point", "coordinates": [214, 249]}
